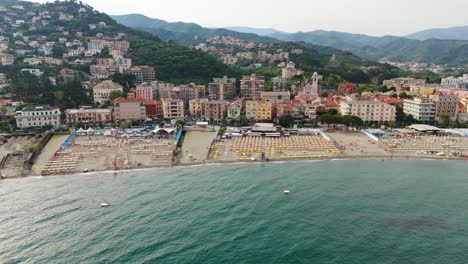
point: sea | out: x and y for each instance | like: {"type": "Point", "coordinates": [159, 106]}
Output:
{"type": "Point", "coordinates": [338, 211]}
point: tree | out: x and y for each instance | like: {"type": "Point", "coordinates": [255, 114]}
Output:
{"type": "Point", "coordinates": [180, 123]}
{"type": "Point", "coordinates": [286, 121]}
{"type": "Point", "coordinates": [444, 121]}
{"type": "Point", "coordinates": [403, 95]}
{"type": "Point", "coordinates": [114, 95]}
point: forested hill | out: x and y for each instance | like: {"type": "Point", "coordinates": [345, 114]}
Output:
{"type": "Point", "coordinates": [183, 33]}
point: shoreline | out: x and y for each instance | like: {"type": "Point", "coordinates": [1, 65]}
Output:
{"type": "Point", "coordinates": [218, 162]}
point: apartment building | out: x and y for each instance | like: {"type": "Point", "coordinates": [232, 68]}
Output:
{"type": "Point", "coordinates": [143, 74]}
{"type": "Point", "coordinates": [173, 109]}
{"type": "Point", "coordinates": [88, 116]}
{"type": "Point", "coordinates": [421, 108]}
{"type": "Point", "coordinates": [37, 116]}
{"type": "Point", "coordinates": [252, 86]}
{"type": "Point", "coordinates": [222, 88]}
{"type": "Point", "coordinates": [129, 109]}
{"type": "Point", "coordinates": [445, 104]}
{"type": "Point", "coordinates": [368, 110]}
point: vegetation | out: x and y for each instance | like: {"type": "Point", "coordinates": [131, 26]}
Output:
{"type": "Point", "coordinates": [286, 121]}
{"type": "Point", "coordinates": [114, 95]}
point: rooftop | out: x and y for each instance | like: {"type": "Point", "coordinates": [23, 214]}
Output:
{"type": "Point", "coordinates": [129, 100]}
{"type": "Point", "coordinates": [38, 108]}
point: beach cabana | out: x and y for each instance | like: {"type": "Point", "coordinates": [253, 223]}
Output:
{"type": "Point", "coordinates": [81, 132]}
{"type": "Point", "coordinates": [90, 131]}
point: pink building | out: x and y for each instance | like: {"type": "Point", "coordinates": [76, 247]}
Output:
{"type": "Point", "coordinates": [129, 109]}
{"type": "Point", "coordinates": [144, 92]}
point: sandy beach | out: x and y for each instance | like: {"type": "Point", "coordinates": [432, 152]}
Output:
{"type": "Point", "coordinates": [106, 154]}
{"type": "Point", "coordinates": [196, 147]}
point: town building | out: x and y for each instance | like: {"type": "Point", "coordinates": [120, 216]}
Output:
{"type": "Point", "coordinates": [368, 110]}
{"type": "Point", "coordinates": [445, 104]}
{"type": "Point", "coordinates": [258, 110]}
{"type": "Point", "coordinates": [173, 109]}
{"type": "Point", "coordinates": [290, 71]}
{"type": "Point", "coordinates": [222, 88]}
{"type": "Point", "coordinates": [276, 97]}
{"type": "Point", "coordinates": [89, 116]}
{"type": "Point", "coordinates": [38, 116]}
{"type": "Point", "coordinates": [279, 84]}
{"type": "Point", "coordinates": [129, 109]}
{"type": "Point", "coordinates": [310, 91]}
{"type": "Point", "coordinates": [102, 91]}
{"type": "Point", "coordinates": [154, 109]}
{"type": "Point", "coordinates": [234, 110]}
{"type": "Point", "coordinates": [403, 83]}
{"type": "Point", "coordinates": [455, 82]}
{"type": "Point", "coordinates": [143, 74]}
{"type": "Point", "coordinates": [420, 108]}
{"type": "Point", "coordinates": [347, 88]}
{"type": "Point", "coordinates": [145, 92]}
{"type": "Point", "coordinates": [251, 86]}
{"type": "Point", "coordinates": [6, 59]}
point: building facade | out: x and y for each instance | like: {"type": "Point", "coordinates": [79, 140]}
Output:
{"type": "Point", "coordinates": [143, 74]}
{"type": "Point", "coordinates": [88, 116]}
{"type": "Point", "coordinates": [445, 104]}
{"type": "Point", "coordinates": [421, 108]}
{"type": "Point", "coordinates": [38, 116]}
{"type": "Point", "coordinates": [347, 88]}
{"type": "Point", "coordinates": [252, 86]}
{"type": "Point", "coordinates": [154, 109]}
{"type": "Point", "coordinates": [102, 91]}
{"type": "Point", "coordinates": [129, 109]}
{"type": "Point", "coordinates": [234, 111]}
{"type": "Point", "coordinates": [222, 88]}
{"type": "Point", "coordinates": [368, 111]}
{"type": "Point", "coordinates": [173, 109]}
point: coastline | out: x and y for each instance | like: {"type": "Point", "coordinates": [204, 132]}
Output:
{"type": "Point", "coordinates": [233, 162]}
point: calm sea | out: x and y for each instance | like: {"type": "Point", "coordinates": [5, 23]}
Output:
{"type": "Point", "coordinates": [337, 212]}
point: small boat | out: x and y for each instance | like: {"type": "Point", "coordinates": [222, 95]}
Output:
{"type": "Point", "coordinates": [105, 204]}
{"type": "Point", "coordinates": [88, 170]}
{"type": "Point", "coordinates": [286, 192]}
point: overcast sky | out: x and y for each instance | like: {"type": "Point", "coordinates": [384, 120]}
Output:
{"type": "Point", "coordinates": [372, 17]}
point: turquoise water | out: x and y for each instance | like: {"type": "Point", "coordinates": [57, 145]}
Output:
{"type": "Point", "coordinates": [338, 212]}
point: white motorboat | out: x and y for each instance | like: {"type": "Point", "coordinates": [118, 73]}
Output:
{"type": "Point", "coordinates": [105, 204]}
{"type": "Point", "coordinates": [286, 192]}
{"type": "Point", "coordinates": [88, 170]}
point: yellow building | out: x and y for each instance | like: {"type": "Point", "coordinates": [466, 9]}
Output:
{"type": "Point", "coordinates": [426, 90]}
{"type": "Point", "coordinates": [264, 110]}
{"type": "Point", "coordinates": [195, 107]}
{"type": "Point", "coordinates": [103, 90]}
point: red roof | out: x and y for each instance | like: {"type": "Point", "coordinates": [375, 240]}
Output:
{"type": "Point", "coordinates": [153, 102]}
{"type": "Point", "coordinates": [287, 107]}
{"type": "Point", "coordinates": [129, 100]}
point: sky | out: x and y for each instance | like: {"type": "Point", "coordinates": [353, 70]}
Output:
{"type": "Point", "coordinates": [371, 17]}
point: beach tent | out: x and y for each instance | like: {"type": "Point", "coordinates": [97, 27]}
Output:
{"type": "Point", "coordinates": [90, 131]}
{"type": "Point", "coordinates": [81, 131]}
{"type": "Point", "coordinates": [107, 133]}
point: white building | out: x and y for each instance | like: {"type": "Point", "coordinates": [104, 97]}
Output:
{"type": "Point", "coordinates": [374, 110]}
{"type": "Point", "coordinates": [234, 111]}
{"type": "Point", "coordinates": [35, 72]}
{"type": "Point", "coordinates": [173, 109]}
{"type": "Point", "coordinates": [37, 116]}
{"type": "Point", "coordinates": [421, 108]}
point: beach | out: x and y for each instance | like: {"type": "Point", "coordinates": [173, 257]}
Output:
{"type": "Point", "coordinates": [104, 153]}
